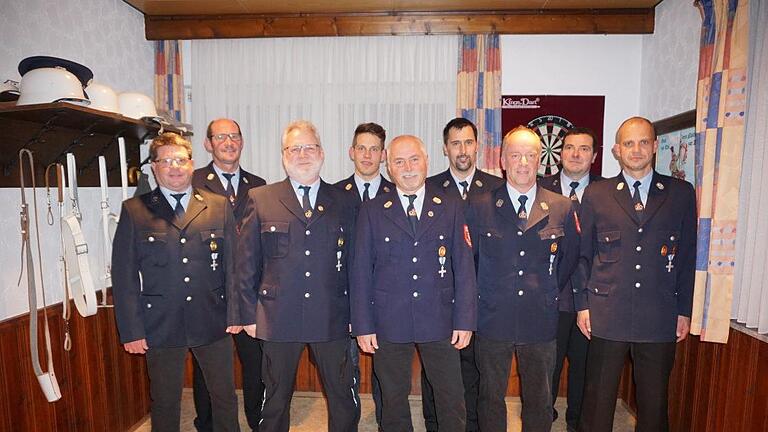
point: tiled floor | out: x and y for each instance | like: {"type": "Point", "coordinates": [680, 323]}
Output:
{"type": "Point", "coordinates": [308, 414]}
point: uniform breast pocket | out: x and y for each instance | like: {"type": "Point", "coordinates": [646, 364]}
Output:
{"type": "Point", "coordinates": [608, 244]}
{"type": "Point", "coordinates": [491, 242]}
{"type": "Point", "coordinates": [551, 238]}
{"type": "Point", "coordinates": [275, 239]}
{"type": "Point", "coordinates": [152, 247]}
{"type": "Point", "coordinates": [213, 239]}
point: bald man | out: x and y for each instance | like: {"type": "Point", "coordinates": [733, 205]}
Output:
{"type": "Point", "coordinates": [638, 252]}
{"type": "Point", "coordinates": [413, 287]}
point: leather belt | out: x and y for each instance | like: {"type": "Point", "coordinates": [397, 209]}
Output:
{"type": "Point", "coordinates": [47, 380]}
{"type": "Point", "coordinates": [76, 250]}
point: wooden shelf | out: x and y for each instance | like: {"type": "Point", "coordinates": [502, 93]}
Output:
{"type": "Point", "coordinates": [52, 130]}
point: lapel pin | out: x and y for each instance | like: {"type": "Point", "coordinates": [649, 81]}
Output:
{"type": "Point", "coordinates": [430, 213]}
{"type": "Point", "coordinates": [620, 186]}
{"type": "Point", "coordinates": [544, 206]}
{"type": "Point", "coordinates": [340, 243]}
{"type": "Point", "coordinates": [245, 179]}
{"type": "Point", "coordinates": [308, 214]}
{"type": "Point", "coordinates": [198, 197]}
{"type": "Point", "coordinates": [446, 183]}
{"type": "Point", "coordinates": [478, 183]}
{"type": "Point", "coordinates": [386, 189]}
{"type": "Point", "coordinates": [556, 182]}
{"type": "Point", "coordinates": [638, 207]}
{"type": "Point", "coordinates": [499, 203]}
{"type": "Point", "coordinates": [388, 204]}
{"type": "Point", "coordinates": [211, 176]}
{"type": "Point", "coordinates": [660, 186]}
{"type": "Point", "coordinates": [436, 200]}
{"type": "Point", "coordinates": [320, 208]}
{"type": "Point", "coordinates": [154, 199]}
{"type": "Point", "coordinates": [348, 187]}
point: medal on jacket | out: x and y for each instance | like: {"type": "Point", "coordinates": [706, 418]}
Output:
{"type": "Point", "coordinates": [552, 255]}
{"type": "Point", "coordinates": [338, 254]}
{"type": "Point", "coordinates": [441, 259]}
{"type": "Point", "coordinates": [670, 257]}
{"type": "Point", "coordinates": [214, 255]}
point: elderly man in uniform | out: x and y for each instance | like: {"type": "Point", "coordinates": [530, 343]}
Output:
{"type": "Point", "coordinates": [463, 180]}
{"type": "Point", "coordinates": [639, 253]}
{"type": "Point", "coordinates": [292, 261]}
{"type": "Point", "coordinates": [367, 152]}
{"type": "Point", "coordinates": [526, 244]}
{"type": "Point", "coordinates": [224, 176]}
{"type": "Point", "coordinates": [578, 155]}
{"type": "Point", "coordinates": [413, 287]}
{"type": "Point", "coordinates": [174, 286]}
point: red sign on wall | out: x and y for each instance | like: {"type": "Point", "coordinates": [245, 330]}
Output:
{"type": "Point", "coordinates": [551, 117]}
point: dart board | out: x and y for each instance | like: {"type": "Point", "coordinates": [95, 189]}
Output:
{"type": "Point", "coordinates": [551, 130]}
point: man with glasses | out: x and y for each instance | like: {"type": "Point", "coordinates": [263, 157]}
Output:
{"type": "Point", "coordinates": [527, 246]}
{"type": "Point", "coordinates": [461, 180]}
{"type": "Point", "coordinates": [292, 262]}
{"type": "Point", "coordinates": [174, 287]}
{"type": "Point", "coordinates": [224, 176]}
{"type": "Point", "coordinates": [367, 152]}
{"type": "Point", "coordinates": [413, 287]}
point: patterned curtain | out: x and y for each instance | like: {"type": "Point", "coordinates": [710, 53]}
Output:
{"type": "Point", "coordinates": [169, 84]}
{"type": "Point", "coordinates": [720, 114]}
{"type": "Point", "coordinates": [479, 95]}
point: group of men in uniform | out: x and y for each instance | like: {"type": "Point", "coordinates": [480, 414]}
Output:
{"type": "Point", "coordinates": [464, 267]}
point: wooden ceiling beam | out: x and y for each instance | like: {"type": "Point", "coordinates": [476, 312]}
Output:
{"type": "Point", "coordinates": [581, 21]}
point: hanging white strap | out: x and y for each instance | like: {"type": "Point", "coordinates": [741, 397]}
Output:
{"type": "Point", "coordinates": [47, 380]}
{"type": "Point", "coordinates": [123, 168]}
{"type": "Point", "coordinates": [76, 250]}
{"type": "Point", "coordinates": [108, 225]}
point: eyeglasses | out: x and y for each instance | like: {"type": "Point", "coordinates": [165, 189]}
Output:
{"type": "Point", "coordinates": [220, 138]}
{"type": "Point", "coordinates": [167, 162]}
{"type": "Point", "coordinates": [309, 149]}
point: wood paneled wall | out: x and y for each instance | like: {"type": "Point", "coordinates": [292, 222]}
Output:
{"type": "Point", "coordinates": [307, 378]}
{"type": "Point", "coordinates": [103, 388]}
{"type": "Point", "coordinates": [715, 387]}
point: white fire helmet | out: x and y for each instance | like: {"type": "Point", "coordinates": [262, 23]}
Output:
{"type": "Point", "coordinates": [51, 84]}
{"type": "Point", "coordinates": [136, 105]}
{"type": "Point", "coordinates": [102, 97]}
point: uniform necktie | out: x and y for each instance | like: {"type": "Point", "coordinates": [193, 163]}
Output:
{"type": "Point", "coordinates": [411, 210]}
{"type": "Point", "coordinates": [464, 185]}
{"type": "Point", "coordinates": [230, 188]}
{"type": "Point", "coordinates": [572, 195]}
{"type": "Point", "coordinates": [178, 210]}
{"type": "Point", "coordinates": [639, 207]}
{"type": "Point", "coordinates": [366, 197]}
{"type": "Point", "coordinates": [522, 216]}
{"type": "Point", "coordinates": [305, 205]}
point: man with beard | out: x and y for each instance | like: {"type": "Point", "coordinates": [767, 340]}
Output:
{"type": "Point", "coordinates": [413, 287]}
{"type": "Point", "coordinates": [578, 155]}
{"type": "Point", "coordinates": [367, 152]}
{"type": "Point", "coordinates": [526, 247]}
{"type": "Point", "coordinates": [639, 254]}
{"type": "Point", "coordinates": [462, 180]}
{"type": "Point", "coordinates": [224, 176]}
{"type": "Point", "coordinates": [292, 261]}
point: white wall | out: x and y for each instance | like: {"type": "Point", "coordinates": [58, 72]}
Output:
{"type": "Point", "coordinates": [578, 65]}
{"type": "Point", "coordinates": [105, 35]}
{"type": "Point", "coordinates": [108, 37]}
{"type": "Point", "coordinates": [670, 61]}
